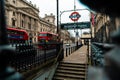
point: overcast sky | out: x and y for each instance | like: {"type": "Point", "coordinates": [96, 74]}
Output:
{"type": "Point", "coordinates": [49, 6]}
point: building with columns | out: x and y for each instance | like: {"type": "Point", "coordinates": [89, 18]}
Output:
{"type": "Point", "coordinates": [65, 36]}
{"type": "Point", "coordinates": [24, 15]}
{"type": "Point", "coordinates": [47, 23]}
{"type": "Point", "coordinates": [104, 27]}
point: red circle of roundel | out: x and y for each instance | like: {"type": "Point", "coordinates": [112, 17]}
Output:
{"type": "Point", "coordinates": [74, 16]}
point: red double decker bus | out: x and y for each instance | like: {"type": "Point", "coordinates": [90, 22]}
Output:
{"type": "Point", "coordinates": [17, 35]}
{"type": "Point", "coordinates": [47, 37]}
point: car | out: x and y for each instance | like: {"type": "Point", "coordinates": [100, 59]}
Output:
{"type": "Point", "coordinates": [67, 44]}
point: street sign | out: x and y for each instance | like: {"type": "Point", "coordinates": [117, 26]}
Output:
{"type": "Point", "coordinates": [79, 25]}
{"type": "Point", "coordinates": [74, 16]}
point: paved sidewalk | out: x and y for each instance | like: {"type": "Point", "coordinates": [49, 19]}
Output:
{"type": "Point", "coordinates": [79, 56]}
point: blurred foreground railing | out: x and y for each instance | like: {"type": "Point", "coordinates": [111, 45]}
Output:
{"type": "Point", "coordinates": [98, 50]}
{"type": "Point", "coordinates": [30, 56]}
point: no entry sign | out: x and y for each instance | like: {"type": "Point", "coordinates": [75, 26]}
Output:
{"type": "Point", "coordinates": [74, 16]}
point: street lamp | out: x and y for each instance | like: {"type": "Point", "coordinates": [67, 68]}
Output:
{"type": "Point", "coordinates": [57, 16]}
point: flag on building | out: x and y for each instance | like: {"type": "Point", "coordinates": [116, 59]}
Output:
{"type": "Point", "coordinates": [92, 18]}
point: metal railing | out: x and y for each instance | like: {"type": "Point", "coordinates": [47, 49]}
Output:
{"type": "Point", "coordinates": [29, 56]}
{"type": "Point", "coordinates": [98, 50]}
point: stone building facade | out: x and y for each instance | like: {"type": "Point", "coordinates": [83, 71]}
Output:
{"type": "Point", "coordinates": [24, 15]}
{"type": "Point", "coordinates": [65, 36]}
{"type": "Point", "coordinates": [104, 27]}
{"type": "Point", "coordinates": [48, 23]}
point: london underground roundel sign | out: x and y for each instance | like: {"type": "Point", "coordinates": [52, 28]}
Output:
{"type": "Point", "coordinates": [74, 16]}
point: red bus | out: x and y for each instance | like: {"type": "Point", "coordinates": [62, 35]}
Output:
{"type": "Point", "coordinates": [47, 37]}
{"type": "Point", "coordinates": [17, 35]}
{"type": "Point", "coordinates": [18, 39]}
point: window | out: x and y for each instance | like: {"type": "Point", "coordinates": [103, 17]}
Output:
{"type": "Point", "coordinates": [14, 1]}
{"type": "Point", "coordinates": [42, 34]}
{"type": "Point", "coordinates": [35, 39]}
{"type": "Point", "coordinates": [30, 34]}
{"type": "Point", "coordinates": [22, 23]}
{"type": "Point", "coordinates": [13, 13]}
{"type": "Point", "coordinates": [29, 26]}
{"type": "Point", "coordinates": [13, 22]}
{"type": "Point", "coordinates": [34, 28]}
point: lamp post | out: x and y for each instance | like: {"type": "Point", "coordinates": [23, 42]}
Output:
{"type": "Point", "coordinates": [57, 16]}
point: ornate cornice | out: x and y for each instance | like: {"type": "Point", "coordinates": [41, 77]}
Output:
{"type": "Point", "coordinates": [30, 4]}
{"type": "Point", "coordinates": [46, 22]}
{"type": "Point", "coordinates": [28, 10]}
